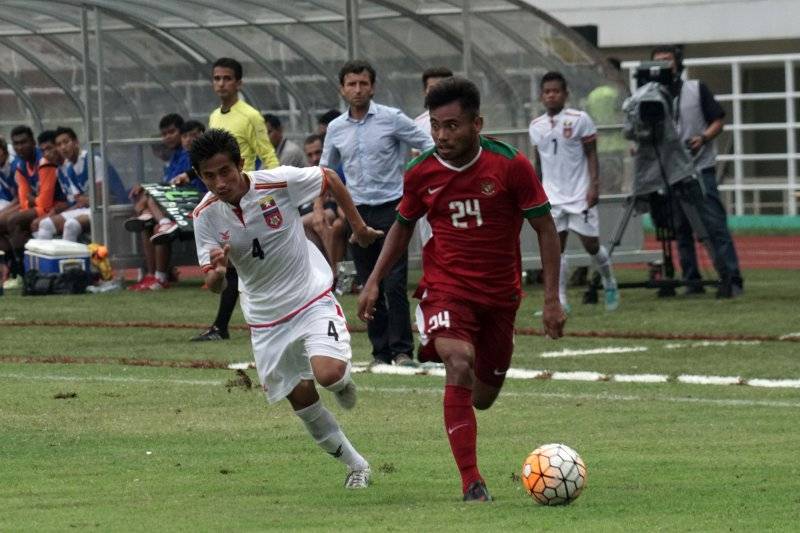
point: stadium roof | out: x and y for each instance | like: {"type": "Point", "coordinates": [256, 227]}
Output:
{"type": "Point", "coordinates": [156, 56]}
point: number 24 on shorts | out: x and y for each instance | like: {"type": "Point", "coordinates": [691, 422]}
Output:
{"type": "Point", "coordinates": [440, 320]}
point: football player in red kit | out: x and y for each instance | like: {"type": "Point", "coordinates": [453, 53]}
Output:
{"type": "Point", "coordinates": [476, 192]}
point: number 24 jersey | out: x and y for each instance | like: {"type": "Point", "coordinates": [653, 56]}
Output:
{"type": "Point", "coordinates": [476, 214]}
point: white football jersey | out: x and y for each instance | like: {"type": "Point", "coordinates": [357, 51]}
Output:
{"type": "Point", "coordinates": [423, 121]}
{"type": "Point", "coordinates": [565, 171]}
{"type": "Point", "coordinates": [280, 271]}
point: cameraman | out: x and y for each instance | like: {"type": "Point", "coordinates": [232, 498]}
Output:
{"type": "Point", "coordinates": [699, 119]}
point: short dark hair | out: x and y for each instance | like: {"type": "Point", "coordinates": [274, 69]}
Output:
{"type": "Point", "coordinates": [65, 130]}
{"type": "Point", "coordinates": [314, 137]}
{"type": "Point", "coordinates": [22, 130]}
{"type": "Point", "coordinates": [435, 72]}
{"type": "Point", "coordinates": [356, 66]}
{"type": "Point", "coordinates": [455, 89]}
{"type": "Point", "coordinates": [3, 145]}
{"type": "Point", "coordinates": [229, 62]}
{"type": "Point", "coordinates": [191, 125]}
{"type": "Point", "coordinates": [553, 76]}
{"type": "Point", "coordinates": [675, 49]}
{"type": "Point", "coordinates": [328, 116]}
{"type": "Point", "coordinates": [272, 120]}
{"type": "Point", "coordinates": [47, 136]}
{"type": "Point", "coordinates": [214, 141]}
{"type": "Point", "coordinates": [172, 119]}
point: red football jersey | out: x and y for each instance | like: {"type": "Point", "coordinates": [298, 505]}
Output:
{"type": "Point", "coordinates": [476, 214]}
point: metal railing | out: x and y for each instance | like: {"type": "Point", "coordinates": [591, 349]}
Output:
{"type": "Point", "coordinates": [736, 125]}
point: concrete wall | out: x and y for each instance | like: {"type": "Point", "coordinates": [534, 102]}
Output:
{"type": "Point", "coordinates": [626, 23]}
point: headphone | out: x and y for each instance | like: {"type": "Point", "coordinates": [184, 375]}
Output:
{"type": "Point", "coordinates": [677, 53]}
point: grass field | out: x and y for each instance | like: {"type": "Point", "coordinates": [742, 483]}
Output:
{"type": "Point", "coordinates": [137, 447]}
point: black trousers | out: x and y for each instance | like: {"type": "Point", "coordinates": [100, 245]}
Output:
{"type": "Point", "coordinates": [390, 330]}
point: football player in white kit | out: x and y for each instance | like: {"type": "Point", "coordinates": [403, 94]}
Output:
{"type": "Point", "coordinates": [565, 140]}
{"type": "Point", "coordinates": [298, 331]}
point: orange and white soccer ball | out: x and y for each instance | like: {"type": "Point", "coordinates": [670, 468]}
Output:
{"type": "Point", "coordinates": [554, 474]}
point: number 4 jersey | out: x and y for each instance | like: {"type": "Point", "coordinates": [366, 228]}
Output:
{"type": "Point", "coordinates": [476, 214]}
{"type": "Point", "coordinates": [280, 271]}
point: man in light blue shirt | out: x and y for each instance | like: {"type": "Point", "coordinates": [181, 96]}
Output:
{"type": "Point", "coordinates": [371, 141]}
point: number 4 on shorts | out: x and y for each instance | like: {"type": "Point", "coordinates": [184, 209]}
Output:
{"type": "Point", "coordinates": [332, 331]}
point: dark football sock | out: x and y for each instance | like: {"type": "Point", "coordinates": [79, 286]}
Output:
{"type": "Point", "coordinates": [462, 432]}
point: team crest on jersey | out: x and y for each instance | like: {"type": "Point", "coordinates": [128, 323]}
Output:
{"type": "Point", "coordinates": [225, 235]}
{"type": "Point", "coordinates": [488, 187]}
{"type": "Point", "coordinates": [567, 129]}
{"type": "Point", "coordinates": [272, 215]}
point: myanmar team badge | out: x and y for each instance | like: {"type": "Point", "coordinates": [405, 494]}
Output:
{"type": "Point", "coordinates": [272, 215]}
{"type": "Point", "coordinates": [567, 129]}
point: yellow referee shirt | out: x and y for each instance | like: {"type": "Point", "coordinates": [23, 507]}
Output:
{"type": "Point", "coordinates": [245, 123]}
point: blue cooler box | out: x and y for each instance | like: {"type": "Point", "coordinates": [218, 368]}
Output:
{"type": "Point", "coordinates": [56, 256]}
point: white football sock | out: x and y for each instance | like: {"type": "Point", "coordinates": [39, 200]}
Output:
{"type": "Point", "coordinates": [161, 276]}
{"type": "Point", "coordinates": [46, 229]}
{"type": "Point", "coordinates": [562, 280]}
{"type": "Point", "coordinates": [72, 230]}
{"type": "Point", "coordinates": [326, 432]}
{"type": "Point", "coordinates": [602, 262]}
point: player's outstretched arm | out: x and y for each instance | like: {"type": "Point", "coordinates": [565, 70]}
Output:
{"type": "Point", "coordinates": [215, 278]}
{"type": "Point", "coordinates": [553, 317]}
{"type": "Point", "coordinates": [362, 234]}
{"type": "Point", "coordinates": [395, 246]}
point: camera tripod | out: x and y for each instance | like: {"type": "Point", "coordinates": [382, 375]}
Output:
{"type": "Point", "coordinates": [686, 196]}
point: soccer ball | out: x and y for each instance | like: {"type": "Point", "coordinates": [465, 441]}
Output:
{"type": "Point", "coordinates": [554, 474]}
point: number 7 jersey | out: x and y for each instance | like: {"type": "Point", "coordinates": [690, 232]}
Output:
{"type": "Point", "coordinates": [476, 214]}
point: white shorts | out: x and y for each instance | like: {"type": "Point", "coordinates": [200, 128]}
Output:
{"type": "Point", "coordinates": [75, 213]}
{"type": "Point", "coordinates": [283, 351]}
{"type": "Point", "coordinates": [419, 318]}
{"type": "Point", "coordinates": [586, 223]}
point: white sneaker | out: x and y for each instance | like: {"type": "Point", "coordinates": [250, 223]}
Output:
{"type": "Point", "coordinates": [357, 479]}
{"type": "Point", "coordinates": [13, 283]}
{"type": "Point", "coordinates": [346, 397]}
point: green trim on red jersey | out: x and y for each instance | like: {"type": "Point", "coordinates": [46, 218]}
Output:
{"type": "Point", "coordinates": [499, 147]}
{"type": "Point", "coordinates": [537, 211]}
{"type": "Point", "coordinates": [404, 221]}
{"type": "Point", "coordinates": [420, 158]}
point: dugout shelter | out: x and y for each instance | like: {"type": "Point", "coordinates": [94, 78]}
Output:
{"type": "Point", "coordinates": [111, 68]}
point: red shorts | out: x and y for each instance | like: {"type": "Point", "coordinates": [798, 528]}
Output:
{"type": "Point", "coordinates": [489, 329]}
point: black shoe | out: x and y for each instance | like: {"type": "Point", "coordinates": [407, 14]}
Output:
{"type": "Point", "coordinates": [692, 290]}
{"type": "Point", "coordinates": [140, 223]}
{"type": "Point", "coordinates": [725, 290]}
{"type": "Point", "coordinates": [212, 334]}
{"type": "Point", "coordinates": [477, 492]}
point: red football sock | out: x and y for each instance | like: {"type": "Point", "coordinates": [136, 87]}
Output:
{"type": "Point", "coordinates": [462, 432]}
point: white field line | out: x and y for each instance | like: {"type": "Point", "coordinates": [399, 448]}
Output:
{"type": "Point", "coordinates": [436, 391]}
{"type": "Point", "coordinates": [706, 344]}
{"type": "Point", "coordinates": [790, 336]}
{"type": "Point", "coordinates": [594, 351]}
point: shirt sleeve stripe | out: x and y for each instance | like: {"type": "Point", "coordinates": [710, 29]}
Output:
{"type": "Point", "coordinates": [206, 268]}
{"type": "Point", "coordinates": [589, 138]}
{"type": "Point", "coordinates": [536, 211]}
{"type": "Point", "coordinates": [405, 221]}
